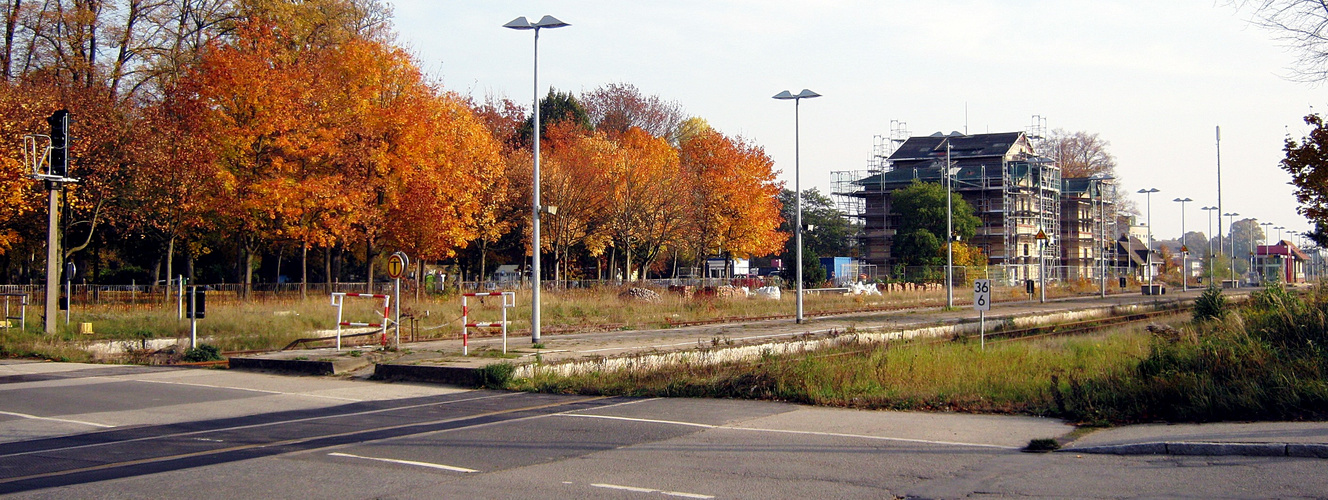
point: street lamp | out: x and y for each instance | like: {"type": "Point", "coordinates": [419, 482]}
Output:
{"type": "Point", "coordinates": [797, 186]}
{"type": "Point", "coordinates": [1231, 222]}
{"type": "Point", "coordinates": [521, 23]}
{"type": "Point", "coordinates": [1279, 233]}
{"type": "Point", "coordinates": [1184, 251]}
{"type": "Point", "coordinates": [1148, 196]}
{"type": "Point", "coordinates": [1262, 258]}
{"type": "Point", "coordinates": [1210, 242]}
{"type": "Point", "coordinates": [949, 172]}
{"type": "Point", "coordinates": [1102, 223]}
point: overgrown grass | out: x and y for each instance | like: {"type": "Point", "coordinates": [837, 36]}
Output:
{"type": "Point", "coordinates": [915, 375]}
{"type": "Point", "coordinates": [1267, 361]}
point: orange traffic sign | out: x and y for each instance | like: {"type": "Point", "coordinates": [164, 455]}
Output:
{"type": "Point", "coordinates": [1041, 235]}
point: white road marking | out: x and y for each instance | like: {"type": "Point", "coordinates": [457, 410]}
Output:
{"type": "Point", "coordinates": [192, 384]}
{"type": "Point", "coordinates": [65, 420]}
{"type": "Point", "coordinates": [651, 490]}
{"type": "Point", "coordinates": [406, 462]}
{"type": "Point", "coordinates": [786, 431]}
{"type": "Point", "coordinates": [266, 424]}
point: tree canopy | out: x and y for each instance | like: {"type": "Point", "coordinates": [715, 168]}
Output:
{"type": "Point", "coordinates": [920, 231]}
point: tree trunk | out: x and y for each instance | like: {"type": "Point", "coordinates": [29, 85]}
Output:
{"type": "Point", "coordinates": [277, 278]}
{"type": "Point", "coordinates": [304, 271]}
{"type": "Point", "coordinates": [484, 250]}
{"type": "Point", "coordinates": [327, 268]}
{"type": "Point", "coordinates": [369, 263]}
{"type": "Point", "coordinates": [170, 266]}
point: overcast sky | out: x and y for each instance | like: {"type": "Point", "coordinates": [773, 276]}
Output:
{"type": "Point", "coordinates": [1153, 78]}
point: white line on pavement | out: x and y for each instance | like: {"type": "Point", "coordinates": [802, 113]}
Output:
{"type": "Point", "coordinates": [193, 384]}
{"type": "Point", "coordinates": [65, 420]}
{"type": "Point", "coordinates": [785, 431]}
{"type": "Point", "coordinates": [406, 462]}
{"type": "Point", "coordinates": [651, 490]}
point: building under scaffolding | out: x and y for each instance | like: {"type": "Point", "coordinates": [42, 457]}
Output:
{"type": "Point", "coordinates": [1016, 194]}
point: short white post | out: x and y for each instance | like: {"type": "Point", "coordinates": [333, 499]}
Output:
{"type": "Point", "coordinates": [397, 298]}
{"type": "Point", "coordinates": [982, 328]}
{"type": "Point", "coordinates": [193, 318]}
{"type": "Point", "coordinates": [179, 299]}
{"type": "Point", "coordinates": [465, 334]}
{"type": "Point", "coordinates": [337, 303]}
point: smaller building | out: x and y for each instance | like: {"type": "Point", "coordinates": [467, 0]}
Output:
{"type": "Point", "coordinates": [1281, 262]}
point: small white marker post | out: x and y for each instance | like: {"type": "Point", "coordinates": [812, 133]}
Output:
{"type": "Point", "coordinates": [982, 302]}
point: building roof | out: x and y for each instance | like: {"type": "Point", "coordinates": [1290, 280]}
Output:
{"type": "Point", "coordinates": [1283, 247]}
{"type": "Point", "coordinates": [961, 146]}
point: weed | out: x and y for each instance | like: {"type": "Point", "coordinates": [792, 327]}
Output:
{"type": "Point", "coordinates": [538, 345]}
{"type": "Point", "coordinates": [204, 352]}
{"type": "Point", "coordinates": [496, 376]}
{"type": "Point", "coordinates": [355, 354]}
{"type": "Point", "coordinates": [1210, 305]}
{"type": "Point", "coordinates": [1042, 445]}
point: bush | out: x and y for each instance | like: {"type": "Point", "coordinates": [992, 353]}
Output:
{"type": "Point", "coordinates": [1210, 305]}
{"type": "Point", "coordinates": [204, 352]}
{"type": "Point", "coordinates": [496, 376]}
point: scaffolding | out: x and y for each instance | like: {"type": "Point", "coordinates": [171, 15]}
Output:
{"type": "Point", "coordinates": [1014, 192]}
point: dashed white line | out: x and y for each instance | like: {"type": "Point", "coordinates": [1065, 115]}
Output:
{"type": "Point", "coordinates": [636, 489]}
{"type": "Point", "coordinates": [53, 419]}
{"type": "Point", "coordinates": [406, 462]}
{"type": "Point", "coordinates": [786, 431]}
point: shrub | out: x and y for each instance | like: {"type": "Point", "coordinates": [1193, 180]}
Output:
{"type": "Point", "coordinates": [204, 352]}
{"type": "Point", "coordinates": [496, 376]}
{"type": "Point", "coordinates": [1210, 305]}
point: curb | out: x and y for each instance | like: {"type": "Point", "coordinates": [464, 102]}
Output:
{"type": "Point", "coordinates": [299, 366]}
{"type": "Point", "coordinates": [1297, 450]}
{"type": "Point", "coordinates": [451, 375]}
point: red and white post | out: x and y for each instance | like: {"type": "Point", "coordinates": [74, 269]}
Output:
{"type": "Point", "coordinates": [509, 300]}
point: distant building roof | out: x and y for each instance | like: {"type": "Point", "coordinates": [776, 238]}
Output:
{"type": "Point", "coordinates": [1283, 247]}
{"type": "Point", "coordinates": [961, 146]}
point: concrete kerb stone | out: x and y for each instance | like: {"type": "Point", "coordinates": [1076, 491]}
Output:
{"type": "Point", "coordinates": [656, 360]}
{"type": "Point", "coordinates": [1298, 450]}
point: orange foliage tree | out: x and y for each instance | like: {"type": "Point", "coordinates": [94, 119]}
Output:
{"type": "Point", "coordinates": [734, 196]}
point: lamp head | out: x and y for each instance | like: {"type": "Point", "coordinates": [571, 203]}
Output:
{"type": "Point", "coordinates": [519, 23]}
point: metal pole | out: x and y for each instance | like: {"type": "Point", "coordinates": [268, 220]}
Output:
{"type": "Point", "coordinates": [53, 259]}
{"type": "Point", "coordinates": [535, 217]}
{"type": "Point", "coordinates": [193, 321]}
{"type": "Point", "coordinates": [397, 299]}
{"type": "Point", "coordinates": [1149, 197]}
{"type": "Point", "coordinates": [797, 187]}
{"type": "Point", "coordinates": [179, 299]}
{"type": "Point", "coordinates": [69, 298]}
{"type": "Point", "coordinates": [982, 328]}
{"type": "Point", "coordinates": [1218, 132]}
{"type": "Point", "coordinates": [1042, 271]}
{"type": "Point", "coordinates": [949, 234]}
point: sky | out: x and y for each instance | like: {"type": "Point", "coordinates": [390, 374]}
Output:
{"type": "Point", "coordinates": [1152, 78]}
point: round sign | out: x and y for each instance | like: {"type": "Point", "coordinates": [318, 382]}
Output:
{"type": "Point", "coordinates": [396, 265]}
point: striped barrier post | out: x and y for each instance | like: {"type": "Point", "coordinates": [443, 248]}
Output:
{"type": "Point", "coordinates": [509, 300]}
{"type": "Point", "coordinates": [338, 298]}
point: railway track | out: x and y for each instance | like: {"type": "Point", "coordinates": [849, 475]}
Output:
{"type": "Point", "coordinates": [1082, 327]}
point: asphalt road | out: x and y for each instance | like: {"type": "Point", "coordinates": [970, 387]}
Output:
{"type": "Point", "coordinates": [86, 431]}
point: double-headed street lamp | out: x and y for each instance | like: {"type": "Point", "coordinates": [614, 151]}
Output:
{"type": "Point", "coordinates": [1262, 258]}
{"type": "Point", "coordinates": [797, 186]}
{"type": "Point", "coordinates": [1211, 257]}
{"type": "Point", "coordinates": [1148, 196]}
{"type": "Point", "coordinates": [1279, 233]}
{"type": "Point", "coordinates": [521, 23]}
{"type": "Point", "coordinates": [1102, 221]}
{"type": "Point", "coordinates": [1231, 223]}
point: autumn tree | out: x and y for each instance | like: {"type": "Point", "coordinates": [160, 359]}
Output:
{"type": "Point", "coordinates": [575, 178]}
{"type": "Point", "coordinates": [734, 197]}
{"type": "Point", "coordinates": [617, 107]}
{"type": "Point", "coordinates": [647, 213]}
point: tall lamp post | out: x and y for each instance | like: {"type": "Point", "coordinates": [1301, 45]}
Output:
{"type": "Point", "coordinates": [1279, 233]}
{"type": "Point", "coordinates": [521, 23]}
{"type": "Point", "coordinates": [1262, 259]}
{"type": "Point", "coordinates": [949, 172]}
{"type": "Point", "coordinates": [1148, 196]}
{"type": "Point", "coordinates": [1102, 222]}
{"type": "Point", "coordinates": [1211, 257]}
{"type": "Point", "coordinates": [797, 186]}
{"type": "Point", "coordinates": [1184, 251]}
{"type": "Point", "coordinates": [1231, 222]}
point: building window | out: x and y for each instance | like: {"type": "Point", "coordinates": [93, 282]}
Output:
{"type": "Point", "coordinates": [1025, 249]}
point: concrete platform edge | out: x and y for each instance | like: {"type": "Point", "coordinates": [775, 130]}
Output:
{"type": "Point", "coordinates": [451, 375]}
{"type": "Point", "coordinates": [1299, 450]}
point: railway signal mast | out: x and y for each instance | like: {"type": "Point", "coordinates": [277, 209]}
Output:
{"type": "Point", "coordinates": [48, 156]}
